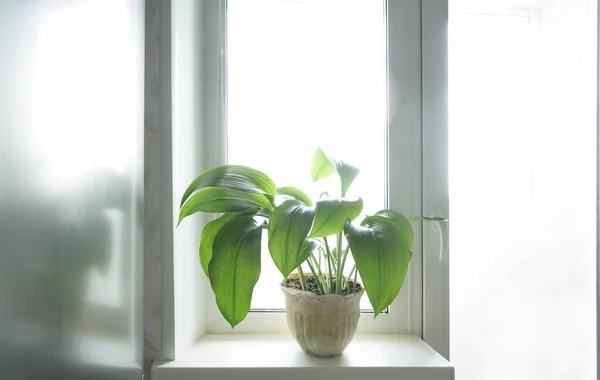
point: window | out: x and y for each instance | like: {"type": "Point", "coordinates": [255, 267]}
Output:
{"type": "Point", "coordinates": [389, 142]}
{"type": "Point", "coordinates": [301, 88]}
{"type": "Point", "coordinates": [327, 85]}
{"type": "Point", "coordinates": [264, 82]}
{"type": "Point", "coordinates": [522, 139]}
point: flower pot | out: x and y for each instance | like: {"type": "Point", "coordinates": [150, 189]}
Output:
{"type": "Point", "coordinates": [323, 325]}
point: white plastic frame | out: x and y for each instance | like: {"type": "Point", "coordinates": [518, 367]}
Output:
{"type": "Point", "coordinates": [417, 156]}
{"type": "Point", "coordinates": [405, 162]}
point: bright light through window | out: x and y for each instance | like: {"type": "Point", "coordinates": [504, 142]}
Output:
{"type": "Point", "coordinates": [303, 75]}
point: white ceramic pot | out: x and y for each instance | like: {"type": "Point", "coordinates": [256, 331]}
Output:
{"type": "Point", "coordinates": [323, 325]}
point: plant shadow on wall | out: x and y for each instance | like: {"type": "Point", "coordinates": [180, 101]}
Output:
{"type": "Point", "coordinates": [322, 304]}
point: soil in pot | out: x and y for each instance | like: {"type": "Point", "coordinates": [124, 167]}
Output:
{"type": "Point", "coordinates": [311, 285]}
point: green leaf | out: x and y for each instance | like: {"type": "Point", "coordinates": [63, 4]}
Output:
{"type": "Point", "coordinates": [347, 174]}
{"type": "Point", "coordinates": [235, 267]}
{"type": "Point", "coordinates": [288, 226]}
{"type": "Point", "coordinates": [331, 213]}
{"type": "Point", "coordinates": [381, 253]}
{"type": "Point", "coordinates": [219, 200]}
{"type": "Point", "coordinates": [210, 231]}
{"type": "Point", "coordinates": [402, 222]}
{"type": "Point", "coordinates": [308, 247]}
{"type": "Point", "coordinates": [324, 166]}
{"type": "Point", "coordinates": [234, 177]}
{"type": "Point", "coordinates": [296, 193]}
{"type": "Point", "coordinates": [321, 166]}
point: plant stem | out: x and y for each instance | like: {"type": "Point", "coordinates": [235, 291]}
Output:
{"type": "Point", "coordinates": [351, 272]}
{"type": "Point", "coordinates": [347, 279]}
{"type": "Point", "coordinates": [317, 265]}
{"type": "Point", "coordinates": [334, 265]}
{"type": "Point", "coordinates": [316, 276]}
{"type": "Point", "coordinates": [355, 277]}
{"type": "Point", "coordinates": [325, 282]}
{"type": "Point", "coordinates": [320, 260]}
{"type": "Point", "coordinates": [329, 265]}
{"type": "Point", "coordinates": [323, 253]}
{"type": "Point", "coordinates": [340, 269]}
{"type": "Point", "coordinates": [344, 257]}
{"type": "Point", "coordinates": [301, 277]}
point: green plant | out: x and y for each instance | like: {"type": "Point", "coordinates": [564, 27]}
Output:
{"type": "Point", "coordinates": [230, 246]}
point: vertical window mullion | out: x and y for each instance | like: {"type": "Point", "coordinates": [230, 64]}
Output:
{"type": "Point", "coordinates": [404, 140]}
{"type": "Point", "coordinates": [435, 174]}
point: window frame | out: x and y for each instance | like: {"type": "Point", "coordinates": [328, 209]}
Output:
{"type": "Point", "coordinates": [400, 316]}
{"type": "Point", "coordinates": [405, 165]}
{"type": "Point", "coordinates": [436, 286]}
{"type": "Point", "coordinates": [417, 39]}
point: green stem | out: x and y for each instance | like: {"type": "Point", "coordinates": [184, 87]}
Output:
{"type": "Point", "coordinates": [329, 265]}
{"type": "Point", "coordinates": [317, 264]}
{"type": "Point", "coordinates": [301, 277]}
{"type": "Point", "coordinates": [355, 277]}
{"type": "Point", "coordinates": [347, 281]}
{"type": "Point", "coordinates": [320, 254]}
{"type": "Point", "coordinates": [334, 265]}
{"type": "Point", "coordinates": [325, 282]}
{"type": "Point", "coordinates": [351, 272]}
{"type": "Point", "coordinates": [340, 269]}
{"type": "Point", "coordinates": [316, 276]}
{"type": "Point", "coordinates": [345, 256]}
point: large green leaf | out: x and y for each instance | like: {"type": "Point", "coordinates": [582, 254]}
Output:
{"type": "Point", "coordinates": [324, 166]}
{"type": "Point", "coordinates": [309, 246]}
{"type": "Point", "coordinates": [295, 193]}
{"type": "Point", "coordinates": [331, 213]}
{"type": "Point", "coordinates": [234, 177]}
{"type": "Point", "coordinates": [402, 222]}
{"type": "Point", "coordinates": [288, 226]}
{"type": "Point", "coordinates": [381, 253]}
{"type": "Point", "coordinates": [235, 267]}
{"type": "Point", "coordinates": [210, 231]}
{"type": "Point", "coordinates": [220, 200]}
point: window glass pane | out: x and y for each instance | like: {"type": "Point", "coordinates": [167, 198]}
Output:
{"type": "Point", "coordinates": [522, 190]}
{"type": "Point", "coordinates": [303, 75]}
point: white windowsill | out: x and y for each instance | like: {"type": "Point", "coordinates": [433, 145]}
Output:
{"type": "Point", "coordinates": [266, 356]}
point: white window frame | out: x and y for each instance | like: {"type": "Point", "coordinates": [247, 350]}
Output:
{"type": "Point", "coordinates": [436, 296]}
{"type": "Point", "coordinates": [417, 145]}
{"type": "Point", "coordinates": [405, 159]}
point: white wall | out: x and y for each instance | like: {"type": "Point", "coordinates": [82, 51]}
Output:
{"type": "Point", "coordinates": [198, 112]}
{"type": "Point", "coordinates": [523, 199]}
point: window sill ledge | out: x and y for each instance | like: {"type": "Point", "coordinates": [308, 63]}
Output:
{"type": "Point", "coordinates": [255, 356]}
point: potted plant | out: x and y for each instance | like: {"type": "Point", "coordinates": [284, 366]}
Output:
{"type": "Point", "coordinates": [322, 304]}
